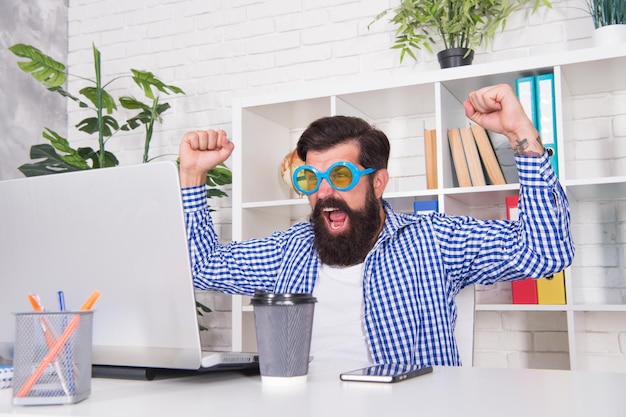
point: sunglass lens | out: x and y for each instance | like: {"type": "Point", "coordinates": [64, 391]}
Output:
{"type": "Point", "coordinates": [307, 180]}
{"type": "Point", "coordinates": [341, 176]}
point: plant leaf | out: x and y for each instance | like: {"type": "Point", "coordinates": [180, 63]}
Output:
{"type": "Point", "coordinates": [220, 175]}
{"type": "Point", "coordinates": [72, 156]}
{"type": "Point", "coordinates": [51, 163]}
{"type": "Point", "coordinates": [109, 160]}
{"type": "Point", "coordinates": [90, 125]}
{"type": "Point", "coordinates": [66, 94]}
{"type": "Point", "coordinates": [43, 68]}
{"type": "Point", "coordinates": [145, 116]}
{"type": "Point", "coordinates": [147, 80]}
{"type": "Point", "coordinates": [215, 193]}
{"type": "Point", "coordinates": [131, 103]}
{"type": "Point", "coordinates": [108, 102]}
{"type": "Point", "coordinates": [203, 308]}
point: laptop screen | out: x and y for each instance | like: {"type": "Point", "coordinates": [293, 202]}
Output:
{"type": "Point", "coordinates": [118, 230]}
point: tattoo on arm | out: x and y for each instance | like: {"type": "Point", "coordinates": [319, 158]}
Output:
{"type": "Point", "coordinates": [522, 147]}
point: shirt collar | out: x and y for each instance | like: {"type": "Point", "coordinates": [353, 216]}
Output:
{"type": "Point", "coordinates": [394, 221]}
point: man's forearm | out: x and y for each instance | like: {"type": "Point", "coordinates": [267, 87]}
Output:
{"type": "Point", "coordinates": [527, 143]}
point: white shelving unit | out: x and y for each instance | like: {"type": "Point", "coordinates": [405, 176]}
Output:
{"type": "Point", "coordinates": [592, 169]}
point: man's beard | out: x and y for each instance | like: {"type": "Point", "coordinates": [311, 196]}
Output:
{"type": "Point", "coordinates": [351, 246]}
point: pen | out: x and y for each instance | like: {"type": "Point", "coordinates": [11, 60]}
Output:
{"type": "Point", "coordinates": [61, 300]}
{"type": "Point", "coordinates": [67, 354]}
{"type": "Point", "coordinates": [91, 300]}
{"type": "Point", "coordinates": [50, 337]}
{"type": "Point", "coordinates": [34, 301]}
{"type": "Point", "coordinates": [58, 345]}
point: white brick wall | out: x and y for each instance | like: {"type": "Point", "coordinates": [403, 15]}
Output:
{"type": "Point", "coordinates": [601, 341]}
{"type": "Point", "coordinates": [218, 322]}
{"type": "Point", "coordinates": [216, 50]}
{"type": "Point", "coordinates": [521, 339]}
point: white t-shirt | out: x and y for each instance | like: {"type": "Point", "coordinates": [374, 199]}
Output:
{"type": "Point", "coordinates": [338, 332]}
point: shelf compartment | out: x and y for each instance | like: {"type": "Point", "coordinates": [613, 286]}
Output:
{"type": "Point", "coordinates": [599, 339]}
{"type": "Point", "coordinates": [598, 222]}
{"type": "Point", "coordinates": [262, 221]}
{"type": "Point", "coordinates": [594, 108]}
{"type": "Point", "coordinates": [522, 339]}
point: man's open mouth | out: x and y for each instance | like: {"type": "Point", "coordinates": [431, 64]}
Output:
{"type": "Point", "coordinates": [335, 219]}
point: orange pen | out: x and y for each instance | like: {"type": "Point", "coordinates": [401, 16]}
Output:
{"type": "Point", "coordinates": [50, 337]}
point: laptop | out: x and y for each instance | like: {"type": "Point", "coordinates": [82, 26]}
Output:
{"type": "Point", "coordinates": [118, 230]}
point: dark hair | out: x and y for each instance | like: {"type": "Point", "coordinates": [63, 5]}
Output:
{"type": "Point", "coordinates": [328, 132]}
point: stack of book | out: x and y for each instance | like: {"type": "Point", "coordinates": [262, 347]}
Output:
{"type": "Point", "coordinates": [474, 157]}
{"type": "Point", "coordinates": [479, 157]}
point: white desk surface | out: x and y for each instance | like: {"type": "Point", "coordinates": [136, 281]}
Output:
{"type": "Point", "coordinates": [448, 391]}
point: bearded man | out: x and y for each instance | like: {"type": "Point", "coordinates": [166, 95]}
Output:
{"type": "Point", "coordinates": [385, 281]}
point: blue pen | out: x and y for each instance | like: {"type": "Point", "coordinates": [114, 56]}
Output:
{"type": "Point", "coordinates": [61, 300]}
{"type": "Point", "coordinates": [68, 357]}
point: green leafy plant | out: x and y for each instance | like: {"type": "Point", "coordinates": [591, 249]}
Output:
{"type": "Point", "coordinates": [607, 12]}
{"type": "Point", "coordinates": [59, 156]}
{"type": "Point", "coordinates": [458, 23]}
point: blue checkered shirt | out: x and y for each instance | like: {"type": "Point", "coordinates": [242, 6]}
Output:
{"type": "Point", "coordinates": [414, 271]}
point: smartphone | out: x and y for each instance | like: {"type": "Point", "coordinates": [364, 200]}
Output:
{"type": "Point", "coordinates": [385, 373]}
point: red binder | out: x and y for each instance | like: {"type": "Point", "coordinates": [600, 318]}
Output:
{"type": "Point", "coordinates": [523, 291]}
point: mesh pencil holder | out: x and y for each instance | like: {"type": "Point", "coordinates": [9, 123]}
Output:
{"type": "Point", "coordinates": [52, 359]}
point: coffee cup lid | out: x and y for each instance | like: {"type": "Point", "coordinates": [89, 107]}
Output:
{"type": "Point", "coordinates": [267, 298]}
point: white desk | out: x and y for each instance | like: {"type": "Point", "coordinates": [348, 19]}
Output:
{"type": "Point", "coordinates": [445, 392]}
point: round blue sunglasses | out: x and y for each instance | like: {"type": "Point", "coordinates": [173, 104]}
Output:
{"type": "Point", "coordinates": [342, 176]}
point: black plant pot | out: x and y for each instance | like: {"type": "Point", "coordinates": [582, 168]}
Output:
{"type": "Point", "coordinates": [455, 57]}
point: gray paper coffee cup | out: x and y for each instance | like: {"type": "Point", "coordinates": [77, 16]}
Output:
{"type": "Point", "coordinates": [283, 329]}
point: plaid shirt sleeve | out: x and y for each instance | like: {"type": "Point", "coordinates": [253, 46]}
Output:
{"type": "Point", "coordinates": [539, 244]}
{"type": "Point", "coordinates": [243, 267]}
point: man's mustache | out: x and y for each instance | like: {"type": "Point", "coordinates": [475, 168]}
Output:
{"type": "Point", "coordinates": [330, 203]}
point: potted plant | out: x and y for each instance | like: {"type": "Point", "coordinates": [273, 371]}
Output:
{"type": "Point", "coordinates": [59, 156]}
{"type": "Point", "coordinates": [609, 21]}
{"type": "Point", "coordinates": [461, 25]}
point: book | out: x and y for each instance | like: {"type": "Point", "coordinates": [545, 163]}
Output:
{"type": "Point", "coordinates": [523, 291]}
{"type": "Point", "coordinates": [425, 206]}
{"type": "Point", "coordinates": [551, 290]}
{"type": "Point", "coordinates": [525, 91]}
{"type": "Point", "coordinates": [536, 94]}
{"type": "Point", "coordinates": [430, 155]}
{"type": "Point", "coordinates": [458, 158]}
{"type": "Point", "coordinates": [488, 156]}
{"type": "Point", "coordinates": [477, 176]}
{"type": "Point", "coordinates": [546, 116]}
{"type": "Point", "coordinates": [506, 158]}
